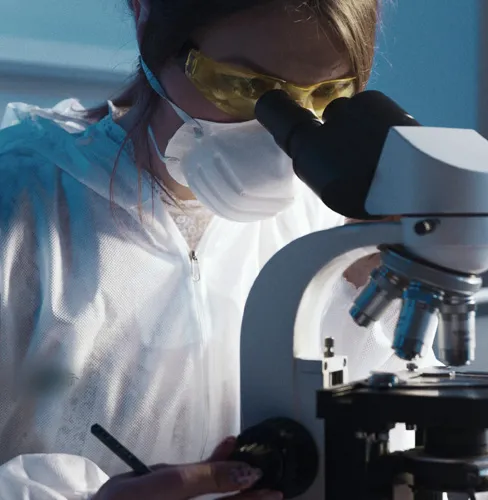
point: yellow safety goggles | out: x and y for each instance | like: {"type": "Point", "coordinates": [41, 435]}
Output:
{"type": "Point", "coordinates": [236, 91]}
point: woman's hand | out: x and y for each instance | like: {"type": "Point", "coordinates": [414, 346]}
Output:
{"type": "Point", "coordinates": [182, 482]}
{"type": "Point", "coordinates": [359, 272]}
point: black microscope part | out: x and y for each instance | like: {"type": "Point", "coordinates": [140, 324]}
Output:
{"type": "Point", "coordinates": [284, 451]}
{"type": "Point", "coordinates": [337, 159]}
{"type": "Point", "coordinates": [450, 415]}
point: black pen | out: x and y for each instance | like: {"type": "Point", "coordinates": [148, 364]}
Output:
{"type": "Point", "coordinates": [123, 453]}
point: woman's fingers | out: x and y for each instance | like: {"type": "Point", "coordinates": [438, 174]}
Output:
{"type": "Point", "coordinates": [187, 481]}
{"type": "Point", "coordinates": [256, 495]}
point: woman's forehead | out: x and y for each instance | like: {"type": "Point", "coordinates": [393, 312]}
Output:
{"type": "Point", "coordinates": [291, 44]}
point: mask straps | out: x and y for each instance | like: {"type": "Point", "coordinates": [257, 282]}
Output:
{"type": "Point", "coordinates": [162, 157]}
{"type": "Point", "coordinates": [156, 86]}
{"type": "Point", "coordinates": [172, 164]}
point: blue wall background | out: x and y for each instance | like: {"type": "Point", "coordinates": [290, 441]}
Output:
{"type": "Point", "coordinates": [104, 23]}
{"type": "Point", "coordinates": [428, 59]}
{"type": "Point", "coordinates": [428, 51]}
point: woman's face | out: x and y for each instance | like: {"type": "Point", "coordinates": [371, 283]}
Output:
{"type": "Point", "coordinates": [284, 42]}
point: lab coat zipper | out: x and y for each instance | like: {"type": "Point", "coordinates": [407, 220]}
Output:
{"type": "Point", "coordinates": [192, 259]}
{"type": "Point", "coordinates": [195, 267]}
{"type": "Point", "coordinates": [196, 278]}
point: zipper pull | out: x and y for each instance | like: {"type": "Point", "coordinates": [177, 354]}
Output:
{"type": "Point", "coordinates": [195, 266]}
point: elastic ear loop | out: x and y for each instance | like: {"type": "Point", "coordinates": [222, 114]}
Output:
{"type": "Point", "coordinates": [172, 163]}
{"type": "Point", "coordinates": [162, 157]}
{"type": "Point", "coordinates": [169, 161]}
{"type": "Point", "coordinates": [156, 86]}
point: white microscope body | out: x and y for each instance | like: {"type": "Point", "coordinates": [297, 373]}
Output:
{"type": "Point", "coordinates": [432, 257]}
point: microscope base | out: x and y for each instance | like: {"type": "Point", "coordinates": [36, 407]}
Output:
{"type": "Point", "coordinates": [449, 411]}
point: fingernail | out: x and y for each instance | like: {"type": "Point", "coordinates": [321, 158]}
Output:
{"type": "Point", "coordinates": [244, 476]}
{"type": "Point", "coordinates": [230, 440]}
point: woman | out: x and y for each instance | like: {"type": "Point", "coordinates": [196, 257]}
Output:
{"type": "Point", "coordinates": [126, 254]}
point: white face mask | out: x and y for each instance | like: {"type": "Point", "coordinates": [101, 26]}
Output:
{"type": "Point", "coordinates": [235, 169]}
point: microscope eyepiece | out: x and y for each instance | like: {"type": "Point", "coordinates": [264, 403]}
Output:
{"type": "Point", "coordinates": [336, 159]}
{"type": "Point", "coordinates": [280, 115]}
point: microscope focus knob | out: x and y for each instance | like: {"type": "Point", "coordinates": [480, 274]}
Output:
{"type": "Point", "coordinates": [284, 451]}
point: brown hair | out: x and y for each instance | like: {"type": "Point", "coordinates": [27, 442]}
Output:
{"type": "Point", "coordinates": [171, 24]}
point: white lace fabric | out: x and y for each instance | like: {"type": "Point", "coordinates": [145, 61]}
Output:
{"type": "Point", "coordinates": [191, 218]}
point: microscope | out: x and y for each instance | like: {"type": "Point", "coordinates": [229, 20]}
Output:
{"type": "Point", "coordinates": [314, 433]}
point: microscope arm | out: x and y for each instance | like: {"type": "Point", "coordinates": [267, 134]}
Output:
{"type": "Point", "coordinates": [269, 385]}
{"type": "Point", "coordinates": [267, 347]}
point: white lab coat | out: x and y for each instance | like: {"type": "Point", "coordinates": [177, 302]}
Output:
{"type": "Point", "coordinates": [101, 321]}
